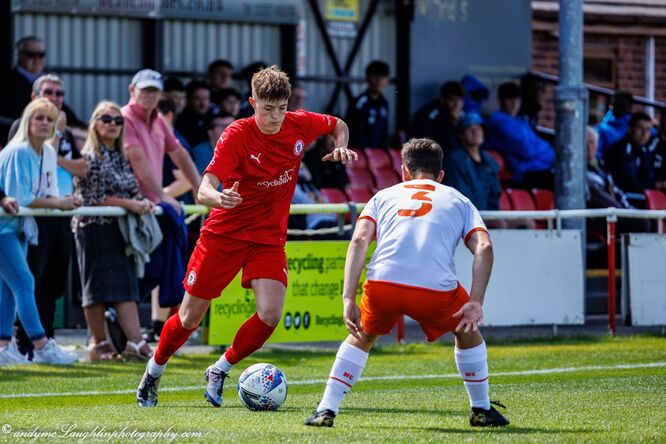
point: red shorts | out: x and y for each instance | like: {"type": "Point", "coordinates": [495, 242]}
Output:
{"type": "Point", "coordinates": [216, 260]}
{"type": "Point", "coordinates": [383, 303]}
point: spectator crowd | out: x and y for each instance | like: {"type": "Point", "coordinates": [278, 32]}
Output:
{"type": "Point", "coordinates": [152, 151]}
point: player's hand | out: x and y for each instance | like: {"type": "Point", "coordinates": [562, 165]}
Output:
{"type": "Point", "coordinates": [341, 154]}
{"type": "Point", "coordinates": [229, 197]}
{"type": "Point", "coordinates": [352, 317]}
{"type": "Point", "coordinates": [471, 316]}
{"type": "Point", "coordinates": [9, 204]}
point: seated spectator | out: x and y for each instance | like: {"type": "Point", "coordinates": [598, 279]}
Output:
{"type": "Point", "coordinates": [49, 260]}
{"type": "Point", "coordinates": [368, 114]}
{"type": "Point", "coordinates": [16, 84]}
{"type": "Point", "coordinates": [247, 73]}
{"type": "Point", "coordinates": [202, 154]}
{"type": "Point", "coordinates": [476, 92]}
{"type": "Point", "coordinates": [228, 101]}
{"type": "Point", "coordinates": [109, 278]}
{"type": "Point", "coordinates": [174, 90]}
{"type": "Point", "coordinates": [530, 158]}
{"type": "Point", "coordinates": [298, 98]}
{"type": "Point", "coordinates": [28, 173]}
{"type": "Point", "coordinates": [615, 123]}
{"type": "Point", "coordinates": [603, 193]}
{"type": "Point", "coordinates": [220, 73]}
{"type": "Point", "coordinates": [437, 119]}
{"type": "Point", "coordinates": [531, 88]}
{"type": "Point", "coordinates": [631, 161]}
{"type": "Point", "coordinates": [193, 123]}
{"type": "Point", "coordinates": [471, 170]}
{"type": "Point", "coordinates": [660, 153]}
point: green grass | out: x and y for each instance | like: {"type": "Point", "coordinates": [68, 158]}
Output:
{"type": "Point", "coordinates": [600, 405]}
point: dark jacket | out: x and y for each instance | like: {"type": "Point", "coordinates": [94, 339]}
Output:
{"type": "Point", "coordinates": [433, 121]}
{"type": "Point", "coordinates": [633, 168]}
{"type": "Point", "coordinates": [478, 181]}
{"type": "Point", "coordinates": [15, 91]}
{"type": "Point", "coordinates": [368, 122]}
{"type": "Point", "coordinates": [193, 127]}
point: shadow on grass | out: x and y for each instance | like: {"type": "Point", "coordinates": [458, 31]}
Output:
{"type": "Point", "coordinates": [510, 430]}
{"type": "Point", "coordinates": [398, 411]}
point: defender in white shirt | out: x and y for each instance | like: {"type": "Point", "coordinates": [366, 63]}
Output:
{"type": "Point", "coordinates": [418, 225]}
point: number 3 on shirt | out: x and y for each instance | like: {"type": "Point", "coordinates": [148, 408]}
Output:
{"type": "Point", "coordinates": [426, 206]}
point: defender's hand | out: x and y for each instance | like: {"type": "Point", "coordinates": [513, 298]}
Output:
{"type": "Point", "coordinates": [352, 317]}
{"type": "Point", "coordinates": [341, 154]}
{"type": "Point", "coordinates": [471, 316]}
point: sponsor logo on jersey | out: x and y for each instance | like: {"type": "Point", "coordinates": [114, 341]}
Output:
{"type": "Point", "coordinates": [298, 147]}
{"type": "Point", "coordinates": [284, 179]}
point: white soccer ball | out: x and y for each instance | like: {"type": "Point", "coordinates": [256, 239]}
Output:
{"type": "Point", "coordinates": [262, 387]}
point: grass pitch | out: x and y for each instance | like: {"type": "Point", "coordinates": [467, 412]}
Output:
{"type": "Point", "coordinates": [585, 390]}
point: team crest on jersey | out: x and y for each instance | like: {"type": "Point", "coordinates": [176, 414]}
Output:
{"type": "Point", "coordinates": [298, 147]}
{"type": "Point", "coordinates": [191, 278]}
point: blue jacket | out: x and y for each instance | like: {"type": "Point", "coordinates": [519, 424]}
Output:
{"type": "Point", "coordinates": [476, 92]}
{"type": "Point", "coordinates": [611, 130]}
{"type": "Point", "coordinates": [478, 181]}
{"type": "Point", "coordinates": [168, 262]}
{"type": "Point", "coordinates": [515, 139]}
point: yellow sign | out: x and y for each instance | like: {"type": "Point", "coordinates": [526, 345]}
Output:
{"type": "Point", "coordinates": [313, 307]}
{"type": "Point", "coordinates": [341, 10]}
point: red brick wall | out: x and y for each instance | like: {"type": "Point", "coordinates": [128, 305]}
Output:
{"type": "Point", "coordinates": [629, 66]}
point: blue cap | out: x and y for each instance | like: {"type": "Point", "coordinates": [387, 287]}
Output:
{"type": "Point", "coordinates": [468, 119]}
{"type": "Point", "coordinates": [147, 78]}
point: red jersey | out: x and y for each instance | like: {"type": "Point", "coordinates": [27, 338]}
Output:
{"type": "Point", "coordinates": [266, 169]}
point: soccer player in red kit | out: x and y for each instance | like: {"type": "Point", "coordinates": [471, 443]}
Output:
{"type": "Point", "coordinates": [256, 161]}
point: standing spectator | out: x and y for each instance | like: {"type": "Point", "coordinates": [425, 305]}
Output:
{"type": "Point", "coordinates": [367, 115]}
{"type": "Point", "coordinates": [203, 153]}
{"type": "Point", "coordinates": [28, 173]}
{"type": "Point", "coordinates": [227, 101]}
{"type": "Point", "coordinates": [174, 182]}
{"type": "Point", "coordinates": [530, 158]}
{"type": "Point", "coordinates": [49, 260]}
{"type": "Point", "coordinates": [630, 161]}
{"type": "Point", "coordinates": [220, 73]}
{"type": "Point", "coordinates": [108, 278]}
{"type": "Point", "coordinates": [174, 90]}
{"type": "Point", "coordinates": [615, 123]}
{"type": "Point", "coordinates": [194, 121]}
{"type": "Point", "coordinates": [531, 88]}
{"type": "Point", "coordinates": [437, 119]}
{"type": "Point", "coordinates": [16, 84]}
{"type": "Point", "coordinates": [471, 170]}
{"type": "Point", "coordinates": [8, 204]}
{"type": "Point", "coordinates": [147, 138]}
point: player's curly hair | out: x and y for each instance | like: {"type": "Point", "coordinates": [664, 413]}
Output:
{"type": "Point", "coordinates": [423, 155]}
{"type": "Point", "coordinates": [271, 84]}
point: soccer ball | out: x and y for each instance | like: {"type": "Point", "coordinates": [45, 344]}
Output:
{"type": "Point", "coordinates": [262, 387]}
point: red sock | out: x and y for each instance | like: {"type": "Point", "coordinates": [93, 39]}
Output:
{"type": "Point", "coordinates": [249, 338]}
{"type": "Point", "coordinates": [172, 338]}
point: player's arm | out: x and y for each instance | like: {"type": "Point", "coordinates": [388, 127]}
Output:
{"type": "Point", "coordinates": [341, 153]}
{"type": "Point", "coordinates": [471, 313]}
{"type": "Point", "coordinates": [356, 254]}
{"type": "Point", "coordinates": [209, 196]}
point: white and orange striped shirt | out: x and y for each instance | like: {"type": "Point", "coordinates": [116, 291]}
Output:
{"type": "Point", "coordinates": [419, 224]}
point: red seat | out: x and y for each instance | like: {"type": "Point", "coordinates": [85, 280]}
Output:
{"type": "Point", "coordinates": [396, 158]}
{"type": "Point", "coordinates": [521, 200]}
{"type": "Point", "coordinates": [385, 178]}
{"type": "Point", "coordinates": [334, 195]}
{"type": "Point", "coordinates": [361, 162]}
{"type": "Point", "coordinates": [358, 194]}
{"type": "Point", "coordinates": [504, 173]}
{"type": "Point", "coordinates": [360, 178]}
{"type": "Point", "coordinates": [544, 199]}
{"type": "Point", "coordinates": [504, 202]}
{"type": "Point", "coordinates": [378, 159]}
{"type": "Point", "coordinates": [656, 200]}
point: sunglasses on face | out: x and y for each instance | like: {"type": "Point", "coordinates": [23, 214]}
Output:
{"type": "Point", "coordinates": [34, 54]}
{"type": "Point", "coordinates": [53, 92]}
{"type": "Point", "coordinates": [118, 120]}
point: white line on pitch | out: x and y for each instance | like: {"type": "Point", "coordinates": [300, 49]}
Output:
{"type": "Point", "coordinates": [369, 378]}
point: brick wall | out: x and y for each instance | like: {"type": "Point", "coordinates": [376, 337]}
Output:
{"type": "Point", "coordinates": [629, 65]}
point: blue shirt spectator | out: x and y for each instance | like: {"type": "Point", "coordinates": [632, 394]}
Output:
{"type": "Point", "coordinates": [615, 123]}
{"type": "Point", "coordinates": [476, 92]}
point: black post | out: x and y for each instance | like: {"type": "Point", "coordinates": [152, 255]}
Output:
{"type": "Point", "coordinates": [7, 41]}
{"type": "Point", "coordinates": [288, 50]}
{"type": "Point", "coordinates": [152, 34]}
{"type": "Point", "coordinates": [404, 17]}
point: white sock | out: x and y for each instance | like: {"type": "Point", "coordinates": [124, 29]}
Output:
{"type": "Point", "coordinates": [473, 367]}
{"type": "Point", "coordinates": [223, 365]}
{"type": "Point", "coordinates": [347, 368]}
{"type": "Point", "coordinates": [154, 369]}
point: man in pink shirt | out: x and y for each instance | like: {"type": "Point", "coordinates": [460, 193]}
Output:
{"type": "Point", "coordinates": [148, 137]}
